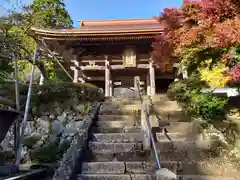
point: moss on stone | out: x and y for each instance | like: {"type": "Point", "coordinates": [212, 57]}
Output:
{"type": "Point", "coordinates": [30, 141]}
{"type": "Point", "coordinates": [46, 154]}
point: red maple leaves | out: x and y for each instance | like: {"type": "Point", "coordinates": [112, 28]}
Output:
{"type": "Point", "coordinates": [227, 34]}
{"type": "Point", "coordinates": [235, 75]}
{"type": "Point", "coordinates": [206, 23]}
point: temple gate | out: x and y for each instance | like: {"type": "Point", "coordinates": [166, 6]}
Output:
{"type": "Point", "coordinates": [110, 54]}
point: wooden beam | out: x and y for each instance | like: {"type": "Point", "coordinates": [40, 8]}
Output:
{"type": "Point", "coordinates": [112, 60]}
{"type": "Point", "coordinates": [139, 66]}
{"type": "Point", "coordinates": [119, 78]}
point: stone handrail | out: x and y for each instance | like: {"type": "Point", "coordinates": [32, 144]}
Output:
{"type": "Point", "coordinates": [70, 160]}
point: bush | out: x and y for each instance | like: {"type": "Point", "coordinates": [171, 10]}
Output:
{"type": "Point", "coordinates": [208, 106]}
{"type": "Point", "coordinates": [183, 90]}
{"type": "Point", "coordinates": [179, 91]}
{"type": "Point", "coordinates": [53, 93]}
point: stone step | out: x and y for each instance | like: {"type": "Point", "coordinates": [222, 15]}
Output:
{"type": "Point", "coordinates": [126, 129]}
{"type": "Point", "coordinates": [147, 177]}
{"type": "Point", "coordinates": [116, 118]}
{"type": "Point", "coordinates": [116, 177]}
{"type": "Point", "coordinates": [159, 97]}
{"type": "Point", "coordinates": [162, 146]}
{"type": "Point", "coordinates": [115, 124]}
{"type": "Point", "coordinates": [177, 144]}
{"type": "Point", "coordinates": [126, 126]}
{"type": "Point", "coordinates": [139, 167]}
{"type": "Point", "coordinates": [169, 110]}
{"type": "Point", "coordinates": [131, 107]}
{"type": "Point", "coordinates": [123, 101]}
{"type": "Point", "coordinates": [184, 155]}
{"type": "Point", "coordinates": [105, 148]}
{"type": "Point", "coordinates": [173, 116]}
{"type": "Point", "coordinates": [122, 167]}
{"type": "Point", "coordinates": [171, 137]}
{"type": "Point", "coordinates": [168, 105]}
{"type": "Point", "coordinates": [109, 108]}
{"type": "Point", "coordinates": [172, 154]}
{"type": "Point", "coordinates": [137, 155]}
{"type": "Point", "coordinates": [120, 103]}
{"type": "Point", "coordinates": [179, 127]}
{"type": "Point", "coordinates": [141, 155]}
{"type": "Point", "coordinates": [119, 109]}
{"type": "Point", "coordinates": [117, 137]}
{"type": "Point", "coordinates": [202, 177]}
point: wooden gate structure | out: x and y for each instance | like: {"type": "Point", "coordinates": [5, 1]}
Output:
{"type": "Point", "coordinates": [102, 52]}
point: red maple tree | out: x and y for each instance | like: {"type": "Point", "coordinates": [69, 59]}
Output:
{"type": "Point", "coordinates": [235, 75]}
{"type": "Point", "coordinates": [207, 24]}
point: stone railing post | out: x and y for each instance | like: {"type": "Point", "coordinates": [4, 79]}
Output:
{"type": "Point", "coordinates": [144, 127]}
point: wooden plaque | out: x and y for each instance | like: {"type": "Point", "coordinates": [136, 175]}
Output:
{"type": "Point", "coordinates": [129, 58]}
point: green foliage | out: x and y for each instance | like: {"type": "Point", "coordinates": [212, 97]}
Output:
{"type": "Point", "coordinates": [30, 141]}
{"type": "Point", "coordinates": [215, 76]}
{"type": "Point", "coordinates": [238, 54]}
{"type": "Point", "coordinates": [55, 94]}
{"type": "Point", "coordinates": [190, 56]}
{"type": "Point", "coordinates": [51, 152]}
{"type": "Point", "coordinates": [16, 39]}
{"type": "Point", "coordinates": [182, 90]}
{"type": "Point", "coordinates": [50, 68]}
{"type": "Point", "coordinates": [179, 91]}
{"type": "Point", "coordinates": [207, 106]}
{"type": "Point", "coordinates": [48, 14]}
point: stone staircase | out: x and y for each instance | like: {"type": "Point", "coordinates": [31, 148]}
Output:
{"type": "Point", "coordinates": [116, 149]}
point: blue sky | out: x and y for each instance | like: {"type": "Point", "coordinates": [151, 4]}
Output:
{"type": "Point", "coordinates": [116, 9]}
{"type": "Point", "coordinates": [113, 9]}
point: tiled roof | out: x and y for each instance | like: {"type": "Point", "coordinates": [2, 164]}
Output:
{"type": "Point", "coordinates": [105, 28]}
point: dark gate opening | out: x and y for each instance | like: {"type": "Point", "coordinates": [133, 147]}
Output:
{"type": "Point", "coordinates": [162, 85]}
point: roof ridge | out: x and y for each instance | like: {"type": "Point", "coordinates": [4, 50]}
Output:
{"type": "Point", "coordinates": [117, 22]}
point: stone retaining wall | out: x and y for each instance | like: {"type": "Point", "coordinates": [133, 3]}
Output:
{"type": "Point", "coordinates": [70, 160]}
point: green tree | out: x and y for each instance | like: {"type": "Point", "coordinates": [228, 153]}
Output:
{"type": "Point", "coordinates": [17, 39]}
{"type": "Point", "coordinates": [48, 14]}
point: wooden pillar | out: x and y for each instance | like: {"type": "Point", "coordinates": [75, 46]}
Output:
{"type": "Point", "coordinates": [107, 77]}
{"type": "Point", "coordinates": [136, 81]}
{"type": "Point", "coordinates": [152, 78]}
{"type": "Point", "coordinates": [41, 81]}
{"type": "Point", "coordinates": [185, 74]}
{"type": "Point", "coordinates": [110, 87]}
{"type": "Point", "coordinates": [76, 71]}
{"type": "Point", "coordinates": [148, 85]}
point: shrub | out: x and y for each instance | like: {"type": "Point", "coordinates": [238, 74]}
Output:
{"type": "Point", "coordinates": [179, 91]}
{"type": "Point", "coordinates": [216, 76]}
{"type": "Point", "coordinates": [208, 106]}
{"type": "Point", "coordinates": [183, 90]}
{"type": "Point", "coordinates": [187, 92]}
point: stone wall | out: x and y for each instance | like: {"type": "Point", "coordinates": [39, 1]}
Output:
{"type": "Point", "coordinates": [57, 115]}
{"type": "Point", "coordinates": [71, 158]}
